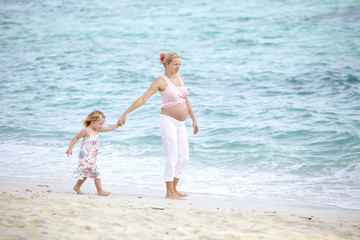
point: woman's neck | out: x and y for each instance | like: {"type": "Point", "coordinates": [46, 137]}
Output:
{"type": "Point", "coordinates": [169, 74]}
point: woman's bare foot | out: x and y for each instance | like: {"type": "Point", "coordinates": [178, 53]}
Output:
{"type": "Point", "coordinates": [181, 194]}
{"type": "Point", "coordinates": [77, 190]}
{"type": "Point", "coordinates": [103, 193]}
{"type": "Point", "coordinates": [174, 197]}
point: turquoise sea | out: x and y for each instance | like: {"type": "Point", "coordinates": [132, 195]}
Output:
{"type": "Point", "coordinates": [274, 84]}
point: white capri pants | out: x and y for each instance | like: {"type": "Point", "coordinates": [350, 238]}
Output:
{"type": "Point", "coordinates": [176, 146]}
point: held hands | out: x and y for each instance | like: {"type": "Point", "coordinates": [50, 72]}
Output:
{"type": "Point", "coordinates": [196, 127]}
{"type": "Point", "coordinates": [122, 120]}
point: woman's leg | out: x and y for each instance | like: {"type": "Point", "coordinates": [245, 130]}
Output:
{"type": "Point", "coordinates": [176, 180]}
{"type": "Point", "coordinates": [101, 192]}
{"type": "Point", "coordinates": [170, 193]}
{"type": "Point", "coordinates": [183, 157]}
{"type": "Point", "coordinates": [169, 137]}
{"type": "Point", "coordinates": [78, 185]}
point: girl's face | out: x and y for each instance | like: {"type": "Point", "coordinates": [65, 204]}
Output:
{"type": "Point", "coordinates": [174, 66]}
{"type": "Point", "coordinates": [97, 125]}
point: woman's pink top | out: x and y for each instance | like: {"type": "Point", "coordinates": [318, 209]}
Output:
{"type": "Point", "coordinates": [172, 94]}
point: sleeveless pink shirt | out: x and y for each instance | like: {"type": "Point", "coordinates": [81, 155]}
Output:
{"type": "Point", "coordinates": [172, 94]}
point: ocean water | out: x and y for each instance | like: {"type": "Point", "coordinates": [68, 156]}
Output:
{"type": "Point", "coordinates": [275, 87]}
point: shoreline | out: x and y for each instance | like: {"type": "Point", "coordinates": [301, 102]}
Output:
{"type": "Point", "coordinates": [89, 186]}
{"type": "Point", "coordinates": [214, 201]}
{"type": "Point", "coordinates": [25, 203]}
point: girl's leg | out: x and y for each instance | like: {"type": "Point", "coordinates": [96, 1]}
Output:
{"type": "Point", "coordinates": [78, 185]}
{"type": "Point", "coordinates": [101, 192]}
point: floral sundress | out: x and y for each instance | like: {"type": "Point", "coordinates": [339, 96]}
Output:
{"type": "Point", "coordinates": [88, 167]}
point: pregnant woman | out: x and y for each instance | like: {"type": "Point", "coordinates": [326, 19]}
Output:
{"type": "Point", "coordinates": [175, 107]}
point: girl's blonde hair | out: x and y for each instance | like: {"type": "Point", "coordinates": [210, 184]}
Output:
{"type": "Point", "coordinates": [93, 116]}
{"type": "Point", "coordinates": [168, 57]}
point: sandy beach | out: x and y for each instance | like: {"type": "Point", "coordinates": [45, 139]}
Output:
{"type": "Point", "coordinates": [40, 209]}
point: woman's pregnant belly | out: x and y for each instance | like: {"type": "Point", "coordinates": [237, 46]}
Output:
{"type": "Point", "coordinates": [179, 111]}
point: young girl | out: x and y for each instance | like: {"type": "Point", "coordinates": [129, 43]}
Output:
{"type": "Point", "coordinates": [89, 150]}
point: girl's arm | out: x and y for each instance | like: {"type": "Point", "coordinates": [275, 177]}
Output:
{"type": "Point", "coordinates": [109, 128]}
{"type": "Point", "coordinates": [155, 86]}
{"type": "Point", "coordinates": [83, 133]}
{"type": "Point", "coordinates": [191, 113]}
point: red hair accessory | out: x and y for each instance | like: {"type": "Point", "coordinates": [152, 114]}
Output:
{"type": "Point", "coordinates": [162, 56]}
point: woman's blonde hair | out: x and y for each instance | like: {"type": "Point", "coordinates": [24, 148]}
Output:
{"type": "Point", "coordinates": [93, 116]}
{"type": "Point", "coordinates": [168, 57]}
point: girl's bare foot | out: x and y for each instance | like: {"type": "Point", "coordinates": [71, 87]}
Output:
{"type": "Point", "coordinates": [103, 193]}
{"type": "Point", "coordinates": [77, 190]}
{"type": "Point", "coordinates": [174, 197]}
{"type": "Point", "coordinates": [181, 194]}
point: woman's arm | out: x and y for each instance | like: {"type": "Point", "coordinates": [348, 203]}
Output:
{"type": "Point", "coordinates": [191, 114]}
{"type": "Point", "coordinates": [155, 86]}
{"type": "Point", "coordinates": [83, 133]}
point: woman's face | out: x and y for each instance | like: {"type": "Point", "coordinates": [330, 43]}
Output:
{"type": "Point", "coordinates": [174, 66]}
